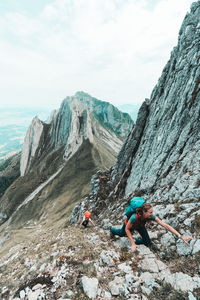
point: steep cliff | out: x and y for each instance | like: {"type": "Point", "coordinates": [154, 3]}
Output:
{"type": "Point", "coordinates": [161, 155]}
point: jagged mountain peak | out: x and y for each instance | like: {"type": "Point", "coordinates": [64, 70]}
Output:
{"type": "Point", "coordinates": [97, 106]}
{"type": "Point", "coordinates": [79, 118]}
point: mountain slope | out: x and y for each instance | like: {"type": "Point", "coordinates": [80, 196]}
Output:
{"type": "Point", "coordinates": [74, 263]}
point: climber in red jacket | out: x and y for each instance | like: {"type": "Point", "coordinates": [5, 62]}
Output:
{"type": "Point", "coordinates": [86, 219]}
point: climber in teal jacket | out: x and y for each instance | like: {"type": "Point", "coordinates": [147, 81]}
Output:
{"type": "Point", "coordinates": [137, 222]}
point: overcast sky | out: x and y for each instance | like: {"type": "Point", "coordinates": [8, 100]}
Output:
{"type": "Point", "coordinates": [114, 50]}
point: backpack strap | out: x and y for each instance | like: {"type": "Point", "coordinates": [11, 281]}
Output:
{"type": "Point", "coordinates": [138, 220]}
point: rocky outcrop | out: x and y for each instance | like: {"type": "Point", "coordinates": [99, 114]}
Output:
{"type": "Point", "coordinates": [166, 159]}
{"type": "Point", "coordinates": [31, 144]}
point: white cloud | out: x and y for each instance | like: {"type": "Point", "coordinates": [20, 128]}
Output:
{"type": "Point", "coordinates": [114, 49]}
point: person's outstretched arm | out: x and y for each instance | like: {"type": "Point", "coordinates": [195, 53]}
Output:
{"type": "Point", "coordinates": [172, 230]}
{"type": "Point", "coordinates": [129, 235]}
{"type": "Point", "coordinates": [92, 222]}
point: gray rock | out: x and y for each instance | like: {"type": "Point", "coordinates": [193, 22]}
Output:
{"type": "Point", "coordinates": [106, 258]}
{"type": "Point", "coordinates": [125, 268]}
{"type": "Point", "coordinates": [157, 157]}
{"type": "Point", "coordinates": [162, 211]}
{"type": "Point", "coordinates": [196, 247]}
{"type": "Point", "coordinates": [188, 221]}
{"type": "Point", "coordinates": [182, 282]}
{"type": "Point", "coordinates": [129, 279]}
{"type": "Point", "coordinates": [90, 286]}
{"type": "Point", "coordinates": [151, 284]}
{"type": "Point", "coordinates": [22, 294]}
{"type": "Point", "coordinates": [167, 239]}
{"type": "Point", "coordinates": [107, 295]}
{"type": "Point", "coordinates": [31, 144]}
{"type": "Point", "coordinates": [191, 296]}
{"type": "Point", "coordinates": [105, 224]}
{"type": "Point", "coordinates": [122, 242]}
{"type": "Point", "coordinates": [117, 286]}
{"type": "Point", "coordinates": [183, 249]}
{"type": "Point", "coordinates": [144, 297]}
{"type": "Point", "coordinates": [149, 264]}
{"type": "Point", "coordinates": [145, 290]}
{"type": "Point", "coordinates": [134, 297]}
{"type": "Point", "coordinates": [34, 295]}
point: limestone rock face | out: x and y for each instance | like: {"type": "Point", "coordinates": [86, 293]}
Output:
{"type": "Point", "coordinates": [31, 143]}
{"type": "Point", "coordinates": [162, 153]}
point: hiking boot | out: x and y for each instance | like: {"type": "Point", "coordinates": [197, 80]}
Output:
{"type": "Point", "coordinates": [111, 234]}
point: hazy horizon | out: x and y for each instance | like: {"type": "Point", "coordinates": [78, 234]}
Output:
{"type": "Point", "coordinates": [113, 50]}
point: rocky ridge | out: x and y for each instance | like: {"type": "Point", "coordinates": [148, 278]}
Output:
{"type": "Point", "coordinates": [83, 124]}
{"type": "Point", "coordinates": [79, 118]}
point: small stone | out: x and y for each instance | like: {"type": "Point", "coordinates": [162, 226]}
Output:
{"type": "Point", "coordinates": [182, 248]}
{"type": "Point", "coordinates": [191, 297]}
{"type": "Point", "coordinates": [37, 287]}
{"type": "Point", "coordinates": [22, 294]}
{"type": "Point", "coordinates": [107, 295]}
{"type": "Point", "coordinates": [145, 290]}
{"type": "Point", "coordinates": [117, 286]}
{"type": "Point", "coordinates": [90, 286]}
{"type": "Point", "coordinates": [196, 247]}
{"type": "Point", "coordinates": [34, 295]}
{"type": "Point", "coordinates": [125, 268]}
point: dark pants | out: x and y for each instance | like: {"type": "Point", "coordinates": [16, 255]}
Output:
{"type": "Point", "coordinates": [141, 229]}
{"type": "Point", "coordinates": [85, 223]}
